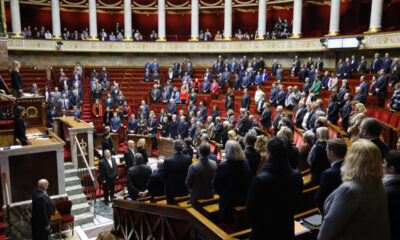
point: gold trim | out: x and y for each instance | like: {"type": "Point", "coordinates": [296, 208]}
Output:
{"type": "Point", "coordinates": [161, 39]}
{"type": "Point", "coordinates": [3, 16]}
{"type": "Point", "coordinates": [296, 35]}
{"type": "Point", "coordinates": [128, 38]}
{"type": "Point", "coordinates": [58, 37]}
{"type": "Point", "coordinates": [194, 39]}
{"type": "Point", "coordinates": [93, 38]}
{"type": "Point", "coordinates": [260, 37]}
{"type": "Point", "coordinates": [332, 33]}
{"type": "Point", "coordinates": [227, 38]}
{"type": "Point", "coordinates": [374, 30]}
{"type": "Point", "coordinates": [17, 35]}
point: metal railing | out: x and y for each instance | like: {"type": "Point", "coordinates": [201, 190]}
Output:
{"type": "Point", "coordinates": [7, 195]}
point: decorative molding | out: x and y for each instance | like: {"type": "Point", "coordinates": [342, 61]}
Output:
{"type": "Point", "coordinates": [372, 41]}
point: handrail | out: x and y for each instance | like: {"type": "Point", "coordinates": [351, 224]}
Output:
{"type": "Point", "coordinates": [84, 158]}
{"type": "Point", "coordinates": [5, 186]}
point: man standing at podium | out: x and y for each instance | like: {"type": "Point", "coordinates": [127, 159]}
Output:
{"type": "Point", "coordinates": [42, 209]}
{"type": "Point", "coordinates": [108, 172]}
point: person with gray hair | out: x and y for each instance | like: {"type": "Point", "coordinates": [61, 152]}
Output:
{"type": "Point", "coordinates": [200, 176]}
{"type": "Point", "coordinates": [42, 209]}
{"type": "Point", "coordinates": [108, 173]}
{"type": "Point", "coordinates": [231, 181]}
{"type": "Point", "coordinates": [318, 158]}
{"type": "Point", "coordinates": [175, 173]}
{"type": "Point", "coordinates": [137, 177]}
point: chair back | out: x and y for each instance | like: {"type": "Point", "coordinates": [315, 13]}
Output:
{"type": "Point", "coordinates": [64, 207]}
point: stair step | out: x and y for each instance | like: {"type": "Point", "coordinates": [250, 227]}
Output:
{"type": "Point", "coordinates": [73, 190]}
{"type": "Point", "coordinates": [71, 173]}
{"type": "Point", "coordinates": [70, 181]}
{"type": "Point", "coordinates": [83, 218]}
{"type": "Point", "coordinates": [78, 198]}
{"type": "Point", "coordinates": [80, 208]}
{"type": "Point", "coordinates": [69, 165]}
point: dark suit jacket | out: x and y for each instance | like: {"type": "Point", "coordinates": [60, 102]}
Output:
{"type": "Point", "coordinates": [346, 110]}
{"type": "Point", "coordinates": [381, 84]}
{"type": "Point", "coordinates": [393, 192]}
{"type": "Point", "coordinates": [153, 125]}
{"type": "Point", "coordinates": [319, 161]}
{"type": "Point", "coordinates": [183, 130]}
{"type": "Point", "coordinates": [376, 65]}
{"type": "Point", "coordinates": [16, 81]}
{"type": "Point", "coordinates": [129, 158]}
{"type": "Point", "coordinates": [265, 119]}
{"type": "Point", "coordinates": [42, 209]}
{"type": "Point", "coordinates": [302, 75]}
{"type": "Point", "coordinates": [107, 144]}
{"type": "Point", "coordinates": [171, 109]}
{"type": "Point", "coordinates": [155, 185]}
{"type": "Point", "coordinates": [253, 159]}
{"type": "Point", "coordinates": [245, 102]}
{"type": "Point", "coordinates": [106, 171]}
{"type": "Point", "coordinates": [333, 112]}
{"type": "Point", "coordinates": [132, 125]}
{"type": "Point", "coordinates": [299, 117]}
{"type": "Point", "coordinates": [137, 178]}
{"type": "Point", "coordinates": [174, 173]}
{"type": "Point", "coordinates": [143, 151]}
{"type": "Point", "coordinates": [383, 147]}
{"type": "Point", "coordinates": [19, 131]}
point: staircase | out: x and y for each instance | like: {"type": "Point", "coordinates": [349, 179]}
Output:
{"type": "Point", "coordinates": [87, 101]}
{"type": "Point", "coordinates": [73, 186]}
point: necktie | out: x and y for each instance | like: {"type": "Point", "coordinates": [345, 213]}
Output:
{"type": "Point", "coordinates": [330, 81]}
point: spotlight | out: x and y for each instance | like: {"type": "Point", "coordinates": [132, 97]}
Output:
{"type": "Point", "coordinates": [59, 44]}
{"type": "Point", "coordinates": [361, 40]}
{"type": "Point", "coordinates": [324, 42]}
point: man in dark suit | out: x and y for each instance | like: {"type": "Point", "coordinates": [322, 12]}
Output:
{"type": "Point", "coordinates": [272, 217]}
{"type": "Point", "coordinates": [354, 64]}
{"type": "Point", "coordinates": [380, 87]}
{"type": "Point", "coordinates": [132, 124]}
{"type": "Point", "coordinates": [295, 66]}
{"type": "Point", "coordinates": [107, 116]}
{"type": "Point", "coordinates": [319, 64]}
{"type": "Point", "coordinates": [336, 150]}
{"type": "Point", "coordinates": [245, 102]}
{"type": "Point", "coordinates": [364, 87]}
{"type": "Point", "coordinates": [280, 97]}
{"type": "Point", "coordinates": [218, 128]}
{"type": "Point", "coordinates": [370, 129]}
{"type": "Point", "coordinates": [109, 173]}
{"type": "Point", "coordinates": [387, 62]}
{"type": "Point", "coordinates": [302, 73]}
{"type": "Point", "coordinates": [203, 112]}
{"type": "Point", "coordinates": [175, 172]}
{"type": "Point", "coordinates": [129, 155]}
{"type": "Point", "coordinates": [207, 75]}
{"type": "Point", "coordinates": [252, 155]}
{"type": "Point", "coordinates": [277, 118]}
{"type": "Point", "coordinates": [274, 67]}
{"type": "Point", "coordinates": [376, 64]}
{"type": "Point", "coordinates": [362, 66]}
{"type": "Point", "coordinates": [155, 185]}
{"type": "Point", "coordinates": [50, 115]}
{"type": "Point", "coordinates": [137, 177]}
{"type": "Point", "coordinates": [183, 128]}
{"type": "Point", "coordinates": [171, 109]}
{"type": "Point", "coordinates": [205, 86]}
{"type": "Point", "coordinates": [265, 119]}
{"type": "Point", "coordinates": [42, 209]}
{"type": "Point", "coordinates": [346, 110]}
{"type": "Point", "coordinates": [156, 94]}
{"type": "Point", "coordinates": [233, 66]}
{"type": "Point", "coordinates": [301, 112]}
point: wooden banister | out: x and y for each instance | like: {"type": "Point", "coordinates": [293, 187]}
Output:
{"type": "Point", "coordinates": [84, 158]}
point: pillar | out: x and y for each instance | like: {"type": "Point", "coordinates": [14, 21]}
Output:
{"type": "Point", "coordinates": [335, 18]}
{"type": "Point", "coordinates": [375, 23]}
{"type": "Point", "coordinates": [55, 18]}
{"type": "Point", "coordinates": [127, 20]}
{"type": "Point", "coordinates": [297, 16]}
{"type": "Point", "coordinates": [92, 20]}
{"type": "Point", "coordinates": [194, 36]}
{"type": "Point", "coordinates": [262, 19]}
{"type": "Point", "coordinates": [15, 19]}
{"type": "Point", "coordinates": [161, 21]}
{"type": "Point", "coordinates": [228, 20]}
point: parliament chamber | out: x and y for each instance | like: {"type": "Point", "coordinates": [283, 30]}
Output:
{"type": "Point", "coordinates": [209, 119]}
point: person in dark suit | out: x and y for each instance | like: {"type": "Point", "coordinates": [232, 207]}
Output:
{"type": "Point", "coordinates": [106, 142]}
{"type": "Point", "coordinates": [317, 158]}
{"type": "Point", "coordinates": [274, 67]}
{"type": "Point", "coordinates": [42, 209]}
{"type": "Point", "coordinates": [346, 111]}
{"type": "Point", "coordinates": [301, 112]}
{"type": "Point", "coordinates": [171, 109]}
{"type": "Point", "coordinates": [280, 97]}
{"type": "Point", "coordinates": [359, 96]}
{"type": "Point", "coordinates": [115, 123]}
{"type": "Point", "coordinates": [137, 177]}
{"type": "Point", "coordinates": [370, 129]}
{"type": "Point", "coordinates": [109, 173]}
{"type": "Point", "coordinates": [175, 173]}
{"type": "Point", "coordinates": [129, 154]}
{"type": "Point", "coordinates": [252, 155]}
{"type": "Point", "coordinates": [354, 64]}
{"type": "Point", "coordinates": [142, 150]}
{"type": "Point", "coordinates": [245, 101]}
{"type": "Point", "coordinates": [132, 124]}
{"type": "Point", "coordinates": [107, 116]}
{"type": "Point", "coordinates": [391, 181]}
{"type": "Point", "coordinates": [265, 119]}
{"type": "Point", "coordinates": [17, 84]}
{"type": "Point", "coordinates": [364, 87]}
{"type": "Point", "coordinates": [277, 118]}
{"type": "Point", "coordinates": [376, 64]}
{"type": "Point", "coordinates": [272, 217]}
{"type": "Point", "coordinates": [295, 66]}
{"type": "Point", "coordinates": [155, 185]}
{"type": "Point", "coordinates": [152, 125]}
{"type": "Point", "coordinates": [231, 181]}
{"type": "Point", "coordinates": [218, 128]}
{"type": "Point", "coordinates": [333, 110]}
{"type": "Point", "coordinates": [319, 64]}
{"type": "Point", "coordinates": [19, 126]}
{"type": "Point", "coordinates": [306, 86]}
{"type": "Point", "coordinates": [336, 150]}
{"type": "Point", "coordinates": [303, 73]}
{"type": "Point", "coordinates": [362, 66]}
{"type": "Point", "coordinates": [50, 115]}
{"type": "Point", "coordinates": [183, 128]}
{"type": "Point", "coordinates": [380, 87]}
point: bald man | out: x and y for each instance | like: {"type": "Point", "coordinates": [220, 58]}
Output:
{"type": "Point", "coordinates": [42, 209]}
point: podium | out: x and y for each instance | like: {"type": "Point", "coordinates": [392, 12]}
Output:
{"type": "Point", "coordinates": [165, 147]}
{"type": "Point", "coordinates": [69, 127]}
{"type": "Point", "coordinates": [149, 141]}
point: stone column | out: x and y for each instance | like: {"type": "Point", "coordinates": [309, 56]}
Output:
{"type": "Point", "coordinates": [55, 17]}
{"type": "Point", "coordinates": [92, 20]}
{"type": "Point", "coordinates": [194, 36]}
{"type": "Point", "coordinates": [228, 20]}
{"type": "Point", "coordinates": [335, 18]}
{"type": "Point", "coordinates": [297, 15]}
{"type": "Point", "coordinates": [127, 20]}
{"type": "Point", "coordinates": [161, 21]}
{"type": "Point", "coordinates": [15, 19]}
{"type": "Point", "coordinates": [262, 19]}
{"type": "Point", "coordinates": [375, 23]}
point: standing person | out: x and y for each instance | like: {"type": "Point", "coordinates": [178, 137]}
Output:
{"type": "Point", "coordinates": [17, 84]}
{"type": "Point", "coordinates": [357, 209]}
{"type": "Point", "coordinates": [252, 155]}
{"type": "Point", "coordinates": [200, 176]}
{"type": "Point", "coordinates": [129, 154]}
{"type": "Point", "coordinates": [370, 129]}
{"type": "Point", "coordinates": [175, 172]}
{"type": "Point", "coordinates": [42, 209]}
{"type": "Point", "coordinates": [317, 158]}
{"type": "Point", "coordinates": [273, 195]}
{"type": "Point", "coordinates": [19, 126]}
{"type": "Point", "coordinates": [137, 177]}
{"type": "Point", "coordinates": [108, 172]}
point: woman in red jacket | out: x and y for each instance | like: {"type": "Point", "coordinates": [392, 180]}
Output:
{"type": "Point", "coordinates": [214, 89]}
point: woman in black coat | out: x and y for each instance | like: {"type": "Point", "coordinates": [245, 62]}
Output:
{"type": "Point", "coordinates": [318, 158]}
{"type": "Point", "coordinates": [333, 110]}
{"type": "Point", "coordinates": [19, 126]}
{"type": "Point", "coordinates": [17, 84]}
{"type": "Point", "coordinates": [231, 181]}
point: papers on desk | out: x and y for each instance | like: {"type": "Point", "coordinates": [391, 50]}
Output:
{"type": "Point", "coordinates": [41, 138]}
{"type": "Point", "coordinates": [33, 135]}
{"type": "Point", "coordinates": [10, 147]}
{"type": "Point", "coordinates": [27, 95]}
{"type": "Point", "coordinates": [299, 229]}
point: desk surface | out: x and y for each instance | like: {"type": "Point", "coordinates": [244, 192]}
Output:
{"type": "Point", "coordinates": [37, 142]}
{"type": "Point", "coordinates": [70, 121]}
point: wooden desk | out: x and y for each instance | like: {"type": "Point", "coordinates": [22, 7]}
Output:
{"type": "Point", "coordinates": [165, 147]}
{"type": "Point", "coordinates": [66, 128]}
{"type": "Point", "coordinates": [149, 141]}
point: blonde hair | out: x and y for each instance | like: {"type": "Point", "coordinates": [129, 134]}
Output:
{"type": "Point", "coordinates": [141, 142]}
{"type": "Point", "coordinates": [363, 162]}
{"type": "Point", "coordinates": [286, 133]}
{"type": "Point", "coordinates": [322, 134]}
{"type": "Point", "coordinates": [232, 135]}
{"type": "Point", "coordinates": [360, 108]}
{"type": "Point", "coordinates": [15, 65]}
{"type": "Point", "coordinates": [261, 143]}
